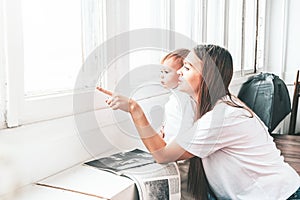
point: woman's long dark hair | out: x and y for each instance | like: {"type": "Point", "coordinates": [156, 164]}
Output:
{"type": "Point", "coordinates": [216, 75]}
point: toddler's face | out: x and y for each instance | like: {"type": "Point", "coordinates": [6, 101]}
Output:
{"type": "Point", "coordinates": [168, 73]}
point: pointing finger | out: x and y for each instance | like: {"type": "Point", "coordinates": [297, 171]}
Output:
{"type": "Point", "coordinates": [104, 91]}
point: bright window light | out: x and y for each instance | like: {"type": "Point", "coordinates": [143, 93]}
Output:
{"type": "Point", "coordinates": [52, 45]}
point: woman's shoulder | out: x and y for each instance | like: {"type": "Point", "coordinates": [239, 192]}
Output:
{"type": "Point", "coordinates": [231, 107]}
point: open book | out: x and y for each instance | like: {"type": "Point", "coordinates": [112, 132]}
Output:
{"type": "Point", "coordinates": [153, 180]}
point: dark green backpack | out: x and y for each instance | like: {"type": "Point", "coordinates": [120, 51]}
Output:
{"type": "Point", "coordinates": [267, 95]}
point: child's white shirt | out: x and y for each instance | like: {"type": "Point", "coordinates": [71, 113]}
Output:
{"type": "Point", "coordinates": [179, 114]}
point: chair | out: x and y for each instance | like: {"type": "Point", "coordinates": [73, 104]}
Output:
{"type": "Point", "coordinates": [295, 106]}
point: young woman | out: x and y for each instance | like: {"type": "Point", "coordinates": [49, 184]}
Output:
{"type": "Point", "coordinates": [231, 151]}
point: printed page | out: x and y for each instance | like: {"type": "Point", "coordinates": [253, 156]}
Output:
{"type": "Point", "coordinates": [153, 180]}
{"type": "Point", "coordinates": [156, 181]}
{"type": "Point", "coordinates": [122, 161]}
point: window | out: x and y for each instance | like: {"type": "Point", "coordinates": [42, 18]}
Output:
{"type": "Point", "coordinates": [238, 25]}
{"type": "Point", "coordinates": [147, 14]}
{"type": "Point", "coordinates": [188, 19]}
{"type": "Point", "coordinates": [43, 54]}
{"type": "Point", "coordinates": [52, 45]}
{"type": "Point", "coordinates": [46, 45]}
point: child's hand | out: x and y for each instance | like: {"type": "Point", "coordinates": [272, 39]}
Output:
{"type": "Point", "coordinates": [161, 132]}
{"type": "Point", "coordinates": [117, 101]}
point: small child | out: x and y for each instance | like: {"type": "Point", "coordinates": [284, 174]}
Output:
{"type": "Point", "coordinates": [180, 110]}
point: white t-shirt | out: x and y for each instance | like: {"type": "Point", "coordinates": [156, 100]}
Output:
{"type": "Point", "coordinates": [239, 156]}
{"type": "Point", "coordinates": [179, 114]}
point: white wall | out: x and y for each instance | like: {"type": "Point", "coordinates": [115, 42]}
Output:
{"type": "Point", "coordinates": [292, 58]}
{"type": "Point", "coordinates": [282, 44]}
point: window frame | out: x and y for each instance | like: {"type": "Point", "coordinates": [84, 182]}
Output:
{"type": "Point", "coordinates": [16, 110]}
{"type": "Point", "coordinates": [2, 68]}
{"type": "Point", "coordinates": [14, 65]}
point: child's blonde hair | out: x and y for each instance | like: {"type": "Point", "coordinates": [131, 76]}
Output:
{"type": "Point", "coordinates": [178, 55]}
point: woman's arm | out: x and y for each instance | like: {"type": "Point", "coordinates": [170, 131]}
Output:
{"type": "Point", "coordinates": [161, 152]}
{"type": "Point", "coordinates": [150, 138]}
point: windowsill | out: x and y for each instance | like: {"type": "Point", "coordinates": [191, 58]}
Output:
{"type": "Point", "coordinates": [38, 108]}
{"type": "Point", "coordinates": [39, 150]}
{"type": "Point", "coordinates": [36, 192]}
{"type": "Point", "coordinates": [80, 182]}
{"type": "Point", "coordinates": [92, 181]}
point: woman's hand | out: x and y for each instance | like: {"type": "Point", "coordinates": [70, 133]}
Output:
{"type": "Point", "coordinates": [151, 139]}
{"type": "Point", "coordinates": [117, 101]}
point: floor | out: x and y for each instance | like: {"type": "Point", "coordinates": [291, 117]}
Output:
{"type": "Point", "coordinates": [290, 149]}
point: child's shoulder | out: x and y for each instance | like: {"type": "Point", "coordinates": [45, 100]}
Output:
{"type": "Point", "coordinates": [182, 96]}
{"type": "Point", "coordinates": [184, 100]}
